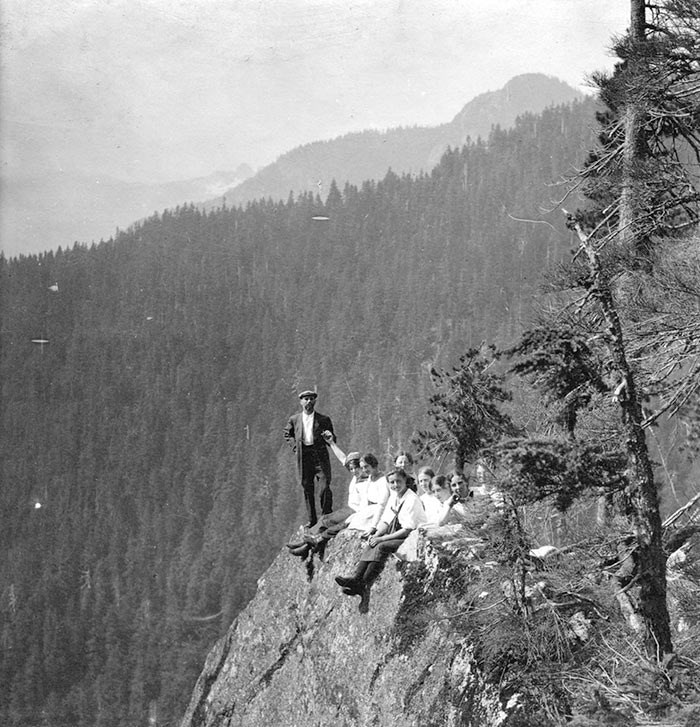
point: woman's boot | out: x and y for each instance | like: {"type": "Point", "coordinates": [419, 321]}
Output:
{"type": "Point", "coordinates": [354, 580]}
{"type": "Point", "coordinates": [374, 568]}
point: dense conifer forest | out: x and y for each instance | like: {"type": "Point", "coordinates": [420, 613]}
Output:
{"type": "Point", "coordinates": [146, 484]}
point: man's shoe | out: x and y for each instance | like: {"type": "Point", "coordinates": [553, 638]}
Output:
{"type": "Point", "coordinates": [346, 582]}
{"type": "Point", "coordinates": [302, 551]}
{"type": "Point", "coordinates": [294, 546]}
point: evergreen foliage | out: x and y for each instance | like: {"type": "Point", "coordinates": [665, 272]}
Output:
{"type": "Point", "coordinates": [466, 409]}
{"type": "Point", "coordinates": [604, 348]}
{"type": "Point", "coordinates": [559, 470]}
{"type": "Point", "coordinates": [642, 190]}
{"type": "Point", "coordinates": [642, 177]}
{"type": "Point", "coordinates": [563, 364]}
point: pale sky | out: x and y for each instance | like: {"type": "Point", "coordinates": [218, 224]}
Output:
{"type": "Point", "coordinates": [157, 90]}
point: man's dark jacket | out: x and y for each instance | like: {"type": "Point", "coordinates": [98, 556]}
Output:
{"type": "Point", "coordinates": [294, 434]}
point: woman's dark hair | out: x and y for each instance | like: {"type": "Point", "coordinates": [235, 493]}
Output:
{"type": "Point", "coordinates": [370, 459]}
{"type": "Point", "coordinates": [403, 453]}
{"type": "Point", "coordinates": [438, 481]}
{"type": "Point", "coordinates": [401, 472]}
{"type": "Point", "coordinates": [458, 473]}
{"type": "Point", "coordinates": [426, 471]}
{"type": "Point", "coordinates": [398, 472]}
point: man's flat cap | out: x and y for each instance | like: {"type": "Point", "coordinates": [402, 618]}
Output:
{"type": "Point", "coordinates": [308, 392]}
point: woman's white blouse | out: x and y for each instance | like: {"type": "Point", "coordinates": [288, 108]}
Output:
{"type": "Point", "coordinates": [374, 495]}
{"type": "Point", "coordinates": [410, 509]}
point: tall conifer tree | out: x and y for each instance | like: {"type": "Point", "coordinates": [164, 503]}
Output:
{"type": "Point", "coordinates": [643, 191]}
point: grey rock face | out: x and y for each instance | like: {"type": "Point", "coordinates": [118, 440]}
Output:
{"type": "Point", "coordinates": [301, 654]}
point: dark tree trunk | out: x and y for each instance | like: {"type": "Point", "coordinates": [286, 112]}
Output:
{"type": "Point", "coordinates": [642, 497]}
{"type": "Point", "coordinates": [641, 492]}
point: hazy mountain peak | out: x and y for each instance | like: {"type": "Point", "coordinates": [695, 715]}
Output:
{"type": "Point", "coordinates": [368, 155]}
{"type": "Point", "coordinates": [531, 92]}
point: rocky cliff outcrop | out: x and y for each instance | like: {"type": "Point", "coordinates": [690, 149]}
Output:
{"type": "Point", "coordinates": [301, 653]}
{"type": "Point", "coordinates": [472, 629]}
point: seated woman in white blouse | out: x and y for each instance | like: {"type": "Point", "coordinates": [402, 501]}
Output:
{"type": "Point", "coordinates": [457, 507]}
{"type": "Point", "coordinates": [425, 477]}
{"type": "Point", "coordinates": [436, 493]}
{"type": "Point", "coordinates": [446, 503]}
{"type": "Point", "coordinates": [375, 494]}
{"type": "Point", "coordinates": [403, 513]}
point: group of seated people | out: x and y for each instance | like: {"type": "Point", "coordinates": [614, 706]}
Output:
{"type": "Point", "coordinates": [385, 509]}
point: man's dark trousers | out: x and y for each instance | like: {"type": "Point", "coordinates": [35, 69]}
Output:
{"type": "Point", "coordinates": [312, 472]}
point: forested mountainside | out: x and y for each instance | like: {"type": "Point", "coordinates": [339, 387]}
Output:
{"type": "Point", "coordinates": [146, 485]}
{"type": "Point", "coordinates": [367, 155]}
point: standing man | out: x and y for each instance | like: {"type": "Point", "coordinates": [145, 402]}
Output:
{"type": "Point", "coordinates": [305, 434]}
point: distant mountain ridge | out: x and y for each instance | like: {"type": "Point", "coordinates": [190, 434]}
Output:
{"type": "Point", "coordinates": [46, 209]}
{"type": "Point", "coordinates": [52, 209]}
{"type": "Point", "coordinates": [369, 154]}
